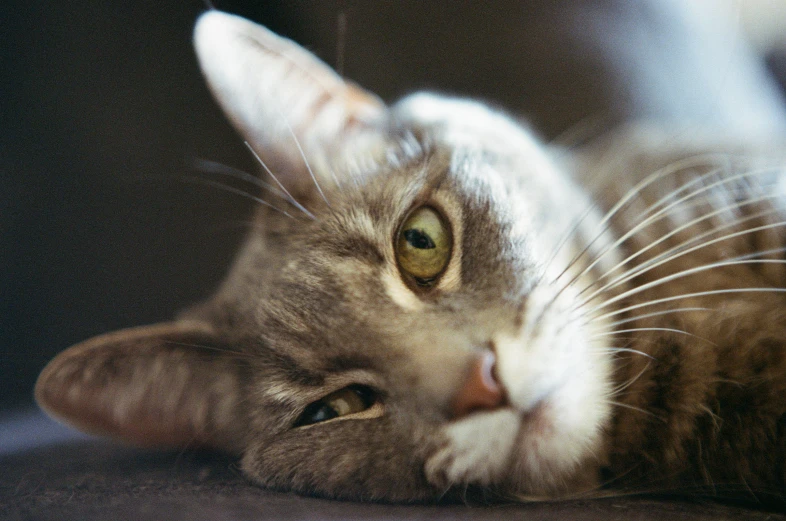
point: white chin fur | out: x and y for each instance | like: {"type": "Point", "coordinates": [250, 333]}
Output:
{"type": "Point", "coordinates": [558, 385]}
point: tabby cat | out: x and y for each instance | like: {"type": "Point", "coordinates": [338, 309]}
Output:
{"type": "Point", "coordinates": [432, 303]}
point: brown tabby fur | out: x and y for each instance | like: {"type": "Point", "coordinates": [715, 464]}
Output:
{"type": "Point", "coordinates": [642, 386]}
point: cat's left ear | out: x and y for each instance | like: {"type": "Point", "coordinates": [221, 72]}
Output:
{"type": "Point", "coordinates": [278, 95]}
{"type": "Point", "coordinates": [171, 384]}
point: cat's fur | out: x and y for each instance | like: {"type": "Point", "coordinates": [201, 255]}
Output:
{"type": "Point", "coordinates": [612, 377]}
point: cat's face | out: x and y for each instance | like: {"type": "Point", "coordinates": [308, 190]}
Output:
{"type": "Point", "coordinates": [408, 333]}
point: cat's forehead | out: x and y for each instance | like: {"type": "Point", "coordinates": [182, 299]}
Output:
{"type": "Point", "coordinates": [340, 290]}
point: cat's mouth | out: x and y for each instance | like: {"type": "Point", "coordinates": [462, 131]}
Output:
{"type": "Point", "coordinates": [537, 413]}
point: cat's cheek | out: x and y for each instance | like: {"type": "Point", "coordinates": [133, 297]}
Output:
{"type": "Point", "coordinates": [560, 440]}
{"type": "Point", "coordinates": [363, 460]}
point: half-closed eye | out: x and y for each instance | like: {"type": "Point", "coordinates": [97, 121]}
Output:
{"type": "Point", "coordinates": [351, 400]}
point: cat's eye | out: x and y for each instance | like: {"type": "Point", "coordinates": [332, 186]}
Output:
{"type": "Point", "coordinates": [423, 245]}
{"type": "Point", "coordinates": [349, 400]}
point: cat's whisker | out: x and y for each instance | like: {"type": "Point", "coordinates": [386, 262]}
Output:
{"type": "Point", "coordinates": [677, 252]}
{"type": "Point", "coordinates": [337, 183]}
{"type": "Point", "coordinates": [656, 314]}
{"type": "Point", "coordinates": [291, 199]}
{"type": "Point", "coordinates": [715, 418]}
{"type": "Point", "coordinates": [705, 216]}
{"type": "Point", "coordinates": [302, 155]}
{"type": "Point", "coordinates": [659, 174]}
{"type": "Point", "coordinates": [660, 260]}
{"type": "Point", "coordinates": [580, 132]}
{"type": "Point", "coordinates": [234, 190]}
{"type": "Point", "coordinates": [727, 291]}
{"type": "Point", "coordinates": [639, 409]}
{"type": "Point", "coordinates": [685, 273]}
{"type": "Point", "coordinates": [613, 350]}
{"type": "Point", "coordinates": [736, 261]}
{"type": "Point", "coordinates": [742, 177]}
{"type": "Point", "coordinates": [637, 329]}
{"type": "Point", "coordinates": [623, 386]}
{"type": "Point", "coordinates": [568, 235]}
{"type": "Point", "coordinates": [627, 275]}
{"type": "Point", "coordinates": [213, 167]}
{"type": "Point", "coordinates": [624, 201]}
{"type": "Point", "coordinates": [663, 212]}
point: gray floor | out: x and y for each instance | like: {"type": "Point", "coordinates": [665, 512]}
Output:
{"type": "Point", "coordinates": [51, 473]}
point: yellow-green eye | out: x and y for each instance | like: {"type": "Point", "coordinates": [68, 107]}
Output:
{"type": "Point", "coordinates": [423, 245]}
{"type": "Point", "coordinates": [349, 400]}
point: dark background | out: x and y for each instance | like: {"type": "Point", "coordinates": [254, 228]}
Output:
{"type": "Point", "coordinates": [103, 111]}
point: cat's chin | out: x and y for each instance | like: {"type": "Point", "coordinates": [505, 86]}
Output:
{"type": "Point", "coordinates": [547, 442]}
{"type": "Point", "coordinates": [533, 454]}
{"type": "Point", "coordinates": [557, 448]}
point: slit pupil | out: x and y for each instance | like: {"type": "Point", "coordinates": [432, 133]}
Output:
{"type": "Point", "coordinates": [419, 239]}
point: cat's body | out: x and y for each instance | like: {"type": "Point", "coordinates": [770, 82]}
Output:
{"type": "Point", "coordinates": [439, 306]}
{"type": "Point", "coordinates": [705, 404]}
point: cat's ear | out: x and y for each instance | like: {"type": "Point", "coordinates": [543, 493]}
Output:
{"type": "Point", "coordinates": [276, 92]}
{"type": "Point", "coordinates": [169, 385]}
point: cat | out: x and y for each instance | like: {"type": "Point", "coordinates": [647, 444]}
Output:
{"type": "Point", "coordinates": [434, 304]}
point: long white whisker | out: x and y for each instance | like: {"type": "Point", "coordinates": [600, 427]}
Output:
{"type": "Point", "coordinates": [580, 132]}
{"type": "Point", "coordinates": [232, 189]}
{"type": "Point", "coordinates": [604, 223]}
{"type": "Point", "coordinates": [663, 211]}
{"type": "Point", "coordinates": [289, 196]}
{"type": "Point", "coordinates": [622, 387]}
{"type": "Point", "coordinates": [570, 233]}
{"type": "Point", "coordinates": [623, 350]}
{"type": "Point", "coordinates": [213, 167]}
{"type": "Point", "coordinates": [736, 260]}
{"type": "Point", "coordinates": [625, 276]}
{"type": "Point", "coordinates": [690, 295]}
{"type": "Point", "coordinates": [685, 273]}
{"type": "Point", "coordinates": [656, 314]}
{"type": "Point", "coordinates": [303, 155]}
{"type": "Point", "coordinates": [636, 329]}
{"type": "Point", "coordinates": [634, 408]}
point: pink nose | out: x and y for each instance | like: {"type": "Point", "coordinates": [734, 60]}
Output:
{"type": "Point", "coordinates": [480, 390]}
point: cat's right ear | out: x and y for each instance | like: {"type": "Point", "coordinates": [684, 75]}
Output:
{"type": "Point", "coordinates": [171, 384]}
{"type": "Point", "coordinates": [278, 95]}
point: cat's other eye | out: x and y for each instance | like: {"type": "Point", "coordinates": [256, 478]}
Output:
{"type": "Point", "coordinates": [349, 400]}
{"type": "Point", "coordinates": [423, 245]}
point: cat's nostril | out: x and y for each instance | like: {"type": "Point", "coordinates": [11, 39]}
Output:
{"type": "Point", "coordinates": [481, 389]}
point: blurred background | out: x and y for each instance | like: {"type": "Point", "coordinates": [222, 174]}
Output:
{"type": "Point", "coordinates": [103, 114]}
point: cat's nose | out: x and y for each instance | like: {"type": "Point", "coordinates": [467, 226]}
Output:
{"type": "Point", "coordinates": [481, 390]}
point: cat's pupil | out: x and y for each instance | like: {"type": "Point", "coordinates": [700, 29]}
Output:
{"type": "Point", "coordinates": [419, 239]}
{"type": "Point", "coordinates": [317, 412]}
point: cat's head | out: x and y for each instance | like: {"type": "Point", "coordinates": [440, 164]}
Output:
{"type": "Point", "coordinates": [398, 327]}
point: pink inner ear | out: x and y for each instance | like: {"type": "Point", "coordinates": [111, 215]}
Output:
{"type": "Point", "coordinates": [150, 386]}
